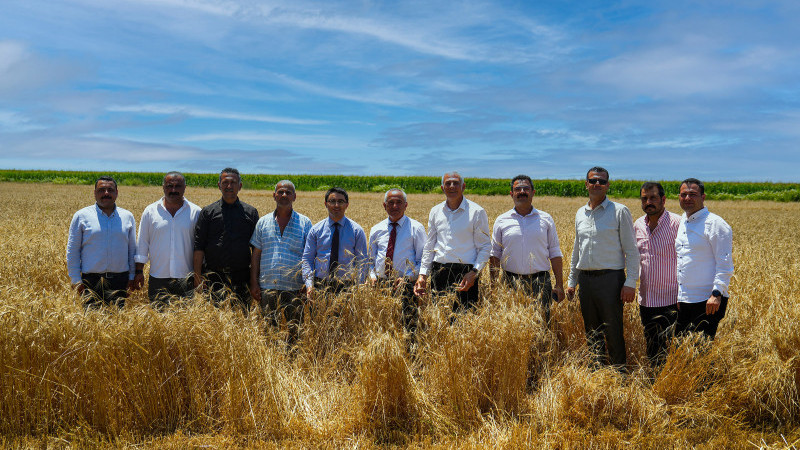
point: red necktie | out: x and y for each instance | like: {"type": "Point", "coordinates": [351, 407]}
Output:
{"type": "Point", "coordinates": [390, 250]}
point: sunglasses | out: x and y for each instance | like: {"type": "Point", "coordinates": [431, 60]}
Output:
{"type": "Point", "coordinates": [599, 181]}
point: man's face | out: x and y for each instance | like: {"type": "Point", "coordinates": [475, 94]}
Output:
{"type": "Point", "coordinates": [597, 184]}
{"type": "Point", "coordinates": [105, 194]}
{"type": "Point", "coordinates": [395, 206]}
{"type": "Point", "coordinates": [336, 205]}
{"type": "Point", "coordinates": [284, 195]}
{"type": "Point", "coordinates": [691, 199]}
{"type": "Point", "coordinates": [652, 203]}
{"type": "Point", "coordinates": [522, 193]}
{"type": "Point", "coordinates": [230, 185]}
{"type": "Point", "coordinates": [174, 188]}
{"type": "Point", "coordinates": [452, 186]}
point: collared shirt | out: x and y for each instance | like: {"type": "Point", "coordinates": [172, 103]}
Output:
{"type": "Point", "coordinates": [525, 244]}
{"type": "Point", "coordinates": [604, 240]}
{"type": "Point", "coordinates": [457, 236]}
{"type": "Point", "coordinates": [166, 240]}
{"type": "Point", "coordinates": [281, 254]}
{"type": "Point", "coordinates": [408, 247]}
{"type": "Point", "coordinates": [99, 243]}
{"type": "Point", "coordinates": [705, 256]}
{"type": "Point", "coordinates": [223, 232]}
{"type": "Point", "coordinates": [657, 260]}
{"type": "Point", "coordinates": [352, 251]}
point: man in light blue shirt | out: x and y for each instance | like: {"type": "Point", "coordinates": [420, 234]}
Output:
{"type": "Point", "coordinates": [101, 248]}
{"type": "Point", "coordinates": [275, 269]}
{"type": "Point", "coordinates": [347, 263]}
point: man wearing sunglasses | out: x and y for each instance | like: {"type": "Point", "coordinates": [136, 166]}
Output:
{"type": "Point", "coordinates": [604, 249]}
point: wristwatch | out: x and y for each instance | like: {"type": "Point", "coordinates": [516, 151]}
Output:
{"type": "Point", "coordinates": [716, 293]}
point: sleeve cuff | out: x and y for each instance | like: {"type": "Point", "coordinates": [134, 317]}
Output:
{"type": "Point", "coordinates": [141, 259]}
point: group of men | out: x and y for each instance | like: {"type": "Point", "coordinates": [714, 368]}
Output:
{"type": "Point", "coordinates": [281, 260]}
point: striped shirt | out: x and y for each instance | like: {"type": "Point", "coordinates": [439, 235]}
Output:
{"type": "Point", "coordinates": [281, 254]}
{"type": "Point", "coordinates": [658, 285]}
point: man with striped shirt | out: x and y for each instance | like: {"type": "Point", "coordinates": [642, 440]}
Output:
{"type": "Point", "coordinates": [276, 277]}
{"type": "Point", "coordinates": [658, 285]}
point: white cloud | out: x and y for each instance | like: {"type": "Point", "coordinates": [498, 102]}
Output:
{"type": "Point", "coordinates": [193, 111]}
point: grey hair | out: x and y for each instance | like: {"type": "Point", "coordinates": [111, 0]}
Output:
{"type": "Point", "coordinates": [454, 173]}
{"type": "Point", "coordinates": [285, 182]}
{"type": "Point", "coordinates": [386, 195]}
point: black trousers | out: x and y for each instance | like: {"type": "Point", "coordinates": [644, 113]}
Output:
{"type": "Point", "coordinates": [601, 308]}
{"type": "Point", "coordinates": [109, 288]}
{"type": "Point", "coordinates": [234, 286]}
{"type": "Point", "coordinates": [692, 317]}
{"type": "Point", "coordinates": [287, 304]}
{"type": "Point", "coordinates": [163, 290]}
{"type": "Point", "coordinates": [533, 285]}
{"type": "Point", "coordinates": [445, 279]}
{"type": "Point", "coordinates": [409, 302]}
{"type": "Point", "coordinates": [658, 323]}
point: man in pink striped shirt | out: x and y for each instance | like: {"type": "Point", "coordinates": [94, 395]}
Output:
{"type": "Point", "coordinates": [658, 286]}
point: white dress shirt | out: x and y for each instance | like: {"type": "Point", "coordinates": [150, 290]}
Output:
{"type": "Point", "coordinates": [99, 243]}
{"type": "Point", "coordinates": [408, 247]}
{"type": "Point", "coordinates": [604, 239]}
{"type": "Point", "coordinates": [457, 236]}
{"type": "Point", "coordinates": [167, 241]}
{"type": "Point", "coordinates": [705, 256]}
{"type": "Point", "coordinates": [525, 244]}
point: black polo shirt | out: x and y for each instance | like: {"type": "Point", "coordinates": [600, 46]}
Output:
{"type": "Point", "coordinates": [223, 232]}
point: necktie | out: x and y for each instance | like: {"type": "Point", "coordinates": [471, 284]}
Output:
{"type": "Point", "coordinates": [333, 264]}
{"type": "Point", "coordinates": [390, 250]}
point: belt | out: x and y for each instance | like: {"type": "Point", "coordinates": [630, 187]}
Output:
{"type": "Point", "coordinates": [597, 273]}
{"type": "Point", "coordinates": [105, 274]}
{"type": "Point", "coordinates": [537, 274]}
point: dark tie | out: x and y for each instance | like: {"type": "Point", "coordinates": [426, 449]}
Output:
{"type": "Point", "coordinates": [334, 259]}
{"type": "Point", "coordinates": [390, 250]}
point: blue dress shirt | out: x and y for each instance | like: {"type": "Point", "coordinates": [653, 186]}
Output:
{"type": "Point", "coordinates": [99, 243]}
{"type": "Point", "coordinates": [352, 251]}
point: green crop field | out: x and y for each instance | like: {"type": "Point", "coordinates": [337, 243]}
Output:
{"type": "Point", "coordinates": [716, 190]}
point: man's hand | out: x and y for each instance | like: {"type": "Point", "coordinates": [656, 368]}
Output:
{"type": "Point", "coordinates": [79, 287]}
{"type": "Point", "coordinates": [255, 292]}
{"type": "Point", "coordinates": [132, 285]}
{"type": "Point", "coordinates": [559, 291]}
{"type": "Point", "coordinates": [398, 283]}
{"type": "Point", "coordinates": [421, 286]}
{"type": "Point", "coordinates": [628, 294]}
{"type": "Point", "coordinates": [198, 283]}
{"type": "Point", "coordinates": [570, 293]}
{"type": "Point", "coordinates": [467, 281]}
{"type": "Point", "coordinates": [138, 281]}
{"type": "Point", "coordinates": [712, 305]}
{"type": "Point", "coordinates": [310, 293]}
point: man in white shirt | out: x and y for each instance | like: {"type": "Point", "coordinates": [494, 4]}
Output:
{"type": "Point", "coordinates": [395, 253]}
{"type": "Point", "coordinates": [604, 250]}
{"type": "Point", "coordinates": [457, 247]}
{"type": "Point", "coordinates": [525, 244]}
{"type": "Point", "coordinates": [166, 239]}
{"type": "Point", "coordinates": [705, 263]}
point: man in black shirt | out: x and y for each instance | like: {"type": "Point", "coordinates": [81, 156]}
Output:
{"type": "Point", "coordinates": [222, 243]}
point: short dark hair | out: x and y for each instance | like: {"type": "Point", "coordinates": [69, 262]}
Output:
{"type": "Point", "coordinates": [173, 174]}
{"type": "Point", "coordinates": [653, 184]}
{"type": "Point", "coordinates": [521, 177]}
{"type": "Point", "coordinates": [230, 170]}
{"type": "Point", "coordinates": [337, 190]}
{"type": "Point", "coordinates": [106, 178]}
{"type": "Point", "coordinates": [597, 169]}
{"type": "Point", "coordinates": [695, 181]}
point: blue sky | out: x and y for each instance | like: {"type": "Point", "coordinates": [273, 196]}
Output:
{"type": "Point", "coordinates": [649, 90]}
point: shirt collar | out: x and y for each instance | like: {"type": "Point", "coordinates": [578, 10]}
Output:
{"type": "Point", "coordinates": [462, 205]}
{"type": "Point", "coordinates": [664, 217]}
{"type": "Point", "coordinates": [226, 205]}
{"type": "Point", "coordinates": [534, 212]}
{"type": "Point", "coordinates": [183, 206]}
{"type": "Point", "coordinates": [97, 208]}
{"type": "Point", "coordinates": [403, 220]}
{"type": "Point", "coordinates": [697, 215]}
{"type": "Point", "coordinates": [603, 204]}
{"type": "Point", "coordinates": [341, 222]}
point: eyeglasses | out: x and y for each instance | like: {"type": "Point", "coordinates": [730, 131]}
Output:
{"type": "Point", "coordinates": [599, 181]}
{"type": "Point", "coordinates": [337, 202]}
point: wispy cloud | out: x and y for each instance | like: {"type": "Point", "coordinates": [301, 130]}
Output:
{"type": "Point", "coordinates": [193, 111]}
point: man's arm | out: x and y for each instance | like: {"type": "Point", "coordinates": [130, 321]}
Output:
{"type": "Point", "coordinates": [420, 287]}
{"type": "Point", "coordinates": [142, 248]}
{"type": "Point", "coordinates": [627, 239]}
{"type": "Point", "coordinates": [572, 281]}
{"type": "Point", "coordinates": [74, 244]}
{"type": "Point", "coordinates": [361, 252]}
{"type": "Point", "coordinates": [494, 270]}
{"type": "Point", "coordinates": [255, 271]}
{"type": "Point", "coordinates": [372, 249]}
{"type": "Point", "coordinates": [200, 242]}
{"type": "Point", "coordinates": [558, 273]}
{"type": "Point", "coordinates": [197, 263]}
{"type": "Point", "coordinates": [309, 254]}
{"type": "Point", "coordinates": [496, 253]}
{"type": "Point", "coordinates": [720, 237]}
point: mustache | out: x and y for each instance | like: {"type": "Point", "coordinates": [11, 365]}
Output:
{"type": "Point", "coordinates": [105, 197]}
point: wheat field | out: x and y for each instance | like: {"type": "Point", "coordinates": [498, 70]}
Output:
{"type": "Point", "coordinates": [197, 376]}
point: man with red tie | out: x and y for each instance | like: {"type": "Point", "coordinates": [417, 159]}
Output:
{"type": "Point", "coordinates": [395, 253]}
